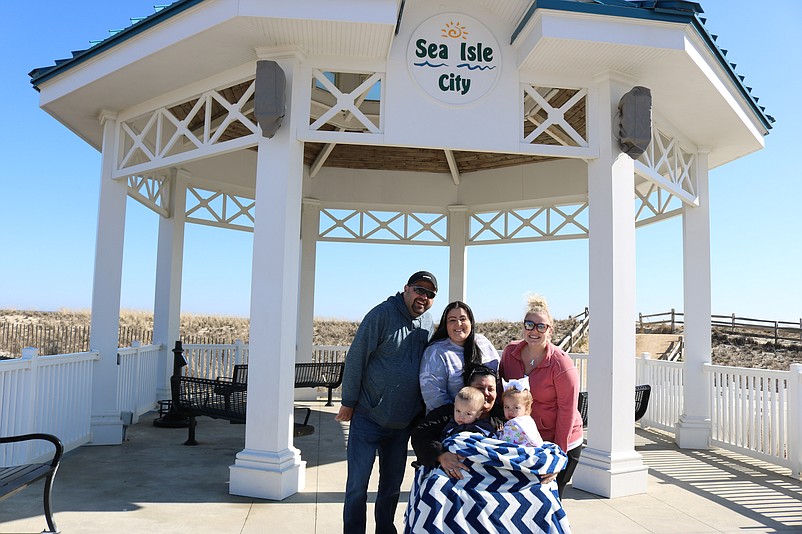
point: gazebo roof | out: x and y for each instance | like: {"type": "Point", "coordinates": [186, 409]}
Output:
{"type": "Point", "coordinates": [200, 44]}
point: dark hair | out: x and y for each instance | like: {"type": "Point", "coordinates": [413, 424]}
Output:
{"type": "Point", "coordinates": [472, 355]}
{"type": "Point", "coordinates": [479, 370]}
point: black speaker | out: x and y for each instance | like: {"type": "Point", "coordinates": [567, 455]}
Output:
{"type": "Point", "coordinates": [269, 98]}
{"type": "Point", "coordinates": [635, 121]}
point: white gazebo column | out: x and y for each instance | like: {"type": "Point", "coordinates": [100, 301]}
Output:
{"type": "Point", "coordinates": [694, 427]}
{"type": "Point", "coordinates": [310, 228]}
{"type": "Point", "coordinates": [269, 466]}
{"type": "Point", "coordinates": [609, 465]}
{"type": "Point", "coordinates": [106, 425]}
{"type": "Point", "coordinates": [457, 252]}
{"type": "Point", "coordinates": [169, 270]}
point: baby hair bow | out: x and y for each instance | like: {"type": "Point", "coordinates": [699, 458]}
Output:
{"type": "Point", "coordinates": [519, 384]}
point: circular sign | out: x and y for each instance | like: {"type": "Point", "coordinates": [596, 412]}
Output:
{"type": "Point", "coordinates": [454, 58]}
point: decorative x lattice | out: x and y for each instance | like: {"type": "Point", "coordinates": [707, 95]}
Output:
{"type": "Point", "coordinates": [669, 166]}
{"type": "Point", "coordinates": [209, 120]}
{"type": "Point", "coordinates": [655, 204]}
{"type": "Point", "coordinates": [354, 110]}
{"type": "Point", "coordinates": [216, 208]}
{"type": "Point", "coordinates": [383, 227]}
{"type": "Point", "coordinates": [535, 224]}
{"type": "Point", "coordinates": [151, 191]}
{"type": "Point", "coordinates": [555, 116]}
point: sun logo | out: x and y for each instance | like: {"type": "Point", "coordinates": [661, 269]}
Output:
{"type": "Point", "coordinates": [454, 30]}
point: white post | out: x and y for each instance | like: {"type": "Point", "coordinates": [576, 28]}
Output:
{"type": "Point", "coordinates": [310, 228]}
{"type": "Point", "coordinates": [269, 466]}
{"type": "Point", "coordinates": [32, 398]}
{"type": "Point", "coordinates": [609, 465]}
{"type": "Point", "coordinates": [795, 419]}
{"type": "Point", "coordinates": [106, 425]}
{"type": "Point", "coordinates": [239, 349]}
{"type": "Point", "coordinates": [169, 271]}
{"type": "Point", "coordinates": [694, 430]}
{"type": "Point", "coordinates": [457, 249]}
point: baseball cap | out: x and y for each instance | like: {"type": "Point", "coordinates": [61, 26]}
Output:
{"type": "Point", "coordinates": [423, 275]}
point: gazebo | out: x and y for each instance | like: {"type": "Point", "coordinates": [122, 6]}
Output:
{"type": "Point", "coordinates": [454, 123]}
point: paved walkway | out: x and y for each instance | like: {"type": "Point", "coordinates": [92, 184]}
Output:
{"type": "Point", "coordinates": [154, 484]}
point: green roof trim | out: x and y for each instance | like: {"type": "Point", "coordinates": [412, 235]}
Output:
{"type": "Point", "coordinates": [42, 74]}
{"type": "Point", "coordinates": [678, 11]}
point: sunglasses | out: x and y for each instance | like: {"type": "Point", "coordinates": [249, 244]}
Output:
{"type": "Point", "coordinates": [540, 327]}
{"type": "Point", "coordinates": [423, 292]}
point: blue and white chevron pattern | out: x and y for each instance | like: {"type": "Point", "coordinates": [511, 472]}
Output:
{"type": "Point", "coordinates": [502, 493]}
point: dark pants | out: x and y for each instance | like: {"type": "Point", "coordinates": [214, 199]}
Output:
{"type": "Point", "coordinates": [565, 475]}
{"type": "Point", "coordinates": [365, 440]}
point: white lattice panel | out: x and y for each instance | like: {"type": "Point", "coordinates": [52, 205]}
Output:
{"type": "Point", "coordinates": [554, 116]}
{"type": "Point", "coordinates": [545, 223]}
{"type": "Point", "coordinates": [151, 191]}
{"type": "Point", "coordinates": [346, 102]}
{"type": "Point", "coordinates": [171, 134]}
{"type": "Point", "coordinates": [221, 209]}
{"type": "Point", "coordinates": [655, 204]}
{"type": "Point", "coordinates": [668, 165]}
{"type": "Point", "coordinates": [383, 227]}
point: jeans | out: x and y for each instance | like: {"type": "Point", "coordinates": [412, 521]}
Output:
{"type": "Point", "coordinates": [365, 439]}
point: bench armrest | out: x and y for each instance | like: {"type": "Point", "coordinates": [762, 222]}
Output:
{"type": "Point", "coordinates": [39, 436]}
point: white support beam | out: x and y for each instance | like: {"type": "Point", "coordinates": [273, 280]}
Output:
{"type": "Point", "coordinates": [169, 273]}
{"type": "Point", "coordinates": [269, 466]}
{"type": "Point", "coordinates": [106, 425]}
{"type": "Point", "coordinates": [609, 465]}
{"type": "Point", "coordinates": [452, 166]}
{"type": "Point", "coordinates": [693, 431]}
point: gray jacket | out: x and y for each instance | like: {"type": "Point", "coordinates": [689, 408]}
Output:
{"type": "Point", "coordinates": [381, 369]}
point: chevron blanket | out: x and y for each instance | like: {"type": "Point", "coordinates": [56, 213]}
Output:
{"type": "Point", "coordinates": [502, 492]}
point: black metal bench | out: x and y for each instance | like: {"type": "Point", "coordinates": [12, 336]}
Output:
{"type": "Point", "coordinates": [16, 478]}
{"type": "Point", "coordinates": [642, 394]}
{"type": "Point", "coordinates": [320, 374]}
{"type": "Point", "coordinates": [222, 398]}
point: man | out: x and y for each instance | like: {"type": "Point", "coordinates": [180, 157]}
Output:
{"type": "Point", "coordinates": [381, 397]}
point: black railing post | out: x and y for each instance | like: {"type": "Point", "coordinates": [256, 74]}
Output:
{"type": "Point", "coordinates": [173, 418]}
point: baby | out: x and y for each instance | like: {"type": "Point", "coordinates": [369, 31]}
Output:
{"type": "Point", "coordinates": [467, 412]}
{"type": "Point", "coordinates": [520, 428]}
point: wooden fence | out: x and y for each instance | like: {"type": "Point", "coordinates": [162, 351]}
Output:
{"type": "Point", "coordinates": [745, 326]}
{"type": "Point", "coordinates": [60, 339]}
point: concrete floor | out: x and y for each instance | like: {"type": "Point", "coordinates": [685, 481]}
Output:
{"type": "Point", "coordinates": [154, 484]}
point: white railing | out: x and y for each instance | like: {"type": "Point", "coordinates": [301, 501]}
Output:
{"type": "Point", "coordinates": [666, 400]}
{"type": "Point", "coordinates": [50, 394]}
{"type": "Point", "coordinates": [329, 353]}
{"type": "Point", "coordinates": [137, 376]}
{"type": "Point", "coordinates": [753, 411]}
{"type": "Point", "coordinates": [751, 415]}
{"type": "Point", "coordinates": [212, 361]}
{"type": "Point", "coordinates": [581, 363]}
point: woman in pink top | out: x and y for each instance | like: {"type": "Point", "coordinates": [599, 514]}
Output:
{"type": "Point", "coordinates": [553, 381]}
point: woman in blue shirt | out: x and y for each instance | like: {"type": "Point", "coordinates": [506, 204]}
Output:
{"type": "Point", "coordinates": [454, 350]}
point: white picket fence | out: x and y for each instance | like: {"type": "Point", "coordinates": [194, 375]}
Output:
{"type": "Point", "coordinates": [50, 394]}
{"type": "Point", "coordinates": [753, 412]}
{"type": "Point", "coordinates": [137, 377]}
{"type": "Point", "coordinates": [212, 361]}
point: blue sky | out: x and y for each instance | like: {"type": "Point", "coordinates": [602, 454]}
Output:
{"type": "Point", "coordinates": [49, 187]}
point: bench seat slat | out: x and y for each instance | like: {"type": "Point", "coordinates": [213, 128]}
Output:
{"type": "Point", "coordinates": [15, 478]}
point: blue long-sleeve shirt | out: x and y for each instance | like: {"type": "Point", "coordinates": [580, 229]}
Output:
{"type": "Point", "coordinates": [442, 368]}
{"type": "Point", "coordinates": [382, 366]}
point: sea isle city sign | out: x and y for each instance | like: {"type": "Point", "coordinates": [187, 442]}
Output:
{"type": "Point", "coordinates": [454, 58]}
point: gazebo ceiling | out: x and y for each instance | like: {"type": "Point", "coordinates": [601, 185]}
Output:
{"type": "Point", "coordinates": [413, 159]}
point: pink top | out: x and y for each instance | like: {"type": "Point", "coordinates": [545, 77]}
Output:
{"type": "Point", "coordinates": [554, 385]}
